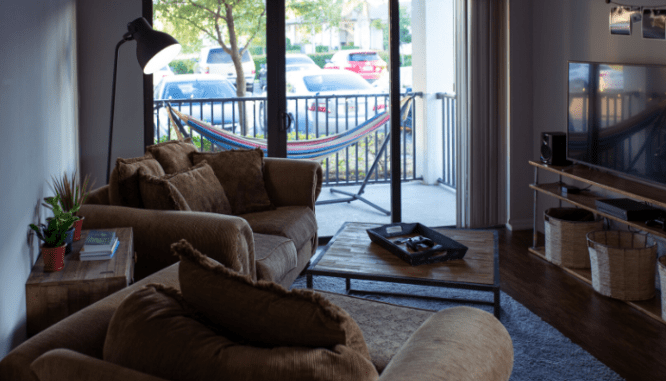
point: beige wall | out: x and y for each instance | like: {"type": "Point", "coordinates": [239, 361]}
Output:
{"type": "Point", "coordinates": [101, 24]}
{"type": "Point", "coordinates": [39, 137]}
{"type": "Point", "coordinates": [559, 31]}
{"type": "Point", "coordinates": [56, 65]}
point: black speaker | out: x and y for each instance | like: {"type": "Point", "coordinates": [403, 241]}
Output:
{"type": "Point", "coordinates": [554, 148]}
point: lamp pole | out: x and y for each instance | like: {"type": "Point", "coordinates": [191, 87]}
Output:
{"type": "Point", "coordinates": [126, 37]}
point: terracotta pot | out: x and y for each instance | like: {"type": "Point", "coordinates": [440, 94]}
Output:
{"type": "Point", "coordinates": [78, 225]}
{"type": "Point", "coordinates": [54, 258]}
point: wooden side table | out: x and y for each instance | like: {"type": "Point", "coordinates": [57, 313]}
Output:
{"type": "Point", "coordinates": [52, 296]}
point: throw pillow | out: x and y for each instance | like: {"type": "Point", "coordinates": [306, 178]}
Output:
{"type": "Point", "coordinates": [263, 313]}
{"type": "Point", "coordinates": [197, 186]}
{"type": "Point", "coordinates": [124, 181]}
{"type": "Point", "coordinates": [156, 332]}
{"type": "Point", "coordinates": [173, 155]}
{"type": "Point", "coordinates": [241, 174]}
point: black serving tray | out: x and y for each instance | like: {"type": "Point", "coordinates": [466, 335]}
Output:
{"type": "Point", "coordinates": [384, 237]}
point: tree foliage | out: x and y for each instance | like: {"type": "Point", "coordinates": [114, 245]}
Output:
{"type": "Point", "coordinates": [232, 24]}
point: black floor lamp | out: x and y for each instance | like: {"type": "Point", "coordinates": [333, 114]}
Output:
{"type": "Point", "coordinates": [153, 51]}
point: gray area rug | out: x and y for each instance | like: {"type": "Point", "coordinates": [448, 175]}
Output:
{"type": "Point", "coordinates": [540, 351]}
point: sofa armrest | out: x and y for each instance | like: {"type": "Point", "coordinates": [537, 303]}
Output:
{"type": "Point", "coordinates": [99, 196]}
{"type": "Point", "coordinates": [227, 239]}
{"type": "Point", "coordinates": [292, 182]}
{"type": "Point", "coordinates": [459, 343]}
{"type": "Point", "coordinates": [67, 365]}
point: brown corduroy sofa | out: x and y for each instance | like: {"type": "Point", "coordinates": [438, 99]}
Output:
{"type": "Point", "coordinates": [277, 243]}
{"type": "Point", "coordinates": [459, 343]}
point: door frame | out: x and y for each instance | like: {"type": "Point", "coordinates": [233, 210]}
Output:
{"type": "Point", "coordinates": [277, 101]}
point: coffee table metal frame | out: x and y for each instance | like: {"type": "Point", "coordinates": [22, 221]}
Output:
{"type": "Point", "coordinates": [494, 288]}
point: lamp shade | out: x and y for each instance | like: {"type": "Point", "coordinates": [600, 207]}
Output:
{"type": "Point", "coordinates": [154, 49]}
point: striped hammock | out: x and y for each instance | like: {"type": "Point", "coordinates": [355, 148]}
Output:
{"type": "Point", "coordinates": [312, 149]}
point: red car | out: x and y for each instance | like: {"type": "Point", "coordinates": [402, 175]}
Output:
{"type": "Point", "coordinates": [367, 63]}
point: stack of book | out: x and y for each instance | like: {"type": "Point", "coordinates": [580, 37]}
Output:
{"type": "Point", "coordinates": [99, 245]}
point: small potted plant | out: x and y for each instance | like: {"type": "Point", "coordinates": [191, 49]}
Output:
{"type": "Point", "coordinates": [72, 195]}
{"type": "Point", "coordinates": [53, 234]}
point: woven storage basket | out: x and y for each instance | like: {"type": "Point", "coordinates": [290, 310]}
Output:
{"type": "Point", "coordinates": [566, 230]}
{"type": "Point", "coordinates": [661, 263]}
{"type": "Point", "coordinates": [623, 264]}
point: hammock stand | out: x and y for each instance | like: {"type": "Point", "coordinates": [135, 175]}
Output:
{"type": "Point", "coordinates": [314, 149]}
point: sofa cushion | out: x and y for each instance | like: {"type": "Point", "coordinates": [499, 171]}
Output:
{"type": "Point", "coordinates": [241, 174]}
{"type": "Point", "coordinates": [173, 155]}
{"type": "Point", "coordinates": [124, 180]}
{"type": "Point", "coordinates": [161, 195]}
{"type": "Point", "coordinates": [64, 364]}
{"type": "Point", "coordinates": [275, 256]}
{"type": "Point", "coordinates": [198, 186]}
{"type": "Point", "coordinates": [297, 223]}
{"type": "Point", "coordinates": [155, 331]}
{"type": "Point", "coordinates": [264, 312]}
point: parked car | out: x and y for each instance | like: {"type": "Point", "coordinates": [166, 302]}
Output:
{"type": "Point", "coordinates": [367, 63]}
{"type": "Point", "coordinates": [293, 62]}
{"type": "Point", "coordinates": [338, 99]}
{"type": "Point", "coordinates": [197, 88]}
{"type": "Point", "coordinates": [163, 72]}
{"type": "Point", "coordinates": [217, 61]}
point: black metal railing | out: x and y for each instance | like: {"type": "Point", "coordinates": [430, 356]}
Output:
{"type": "Point", "coordinates": [449, 150]}
{"type": "Point", "coordinates": [313, 117]}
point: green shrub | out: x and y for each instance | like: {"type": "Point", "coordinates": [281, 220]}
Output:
{"type": "Point", "coordinates": [182, 66]}
{"type": "Point", "coordinates": [258, 61]}
{"type": "Point", "coordinates": [321, 49]}
{"type": "Point", "coordinates": [405, 59]}
{"type": "Point", "coordinates": [349, 47]}
{"type": "Point", "coordinates": [320, 58]}
{"type": "Point", "coordinates": [256, 50]}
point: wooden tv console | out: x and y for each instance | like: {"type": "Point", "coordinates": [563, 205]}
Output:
{"type": "Point", "coordinates": [586, 200]}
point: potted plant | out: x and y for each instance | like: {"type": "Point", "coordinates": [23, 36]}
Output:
{"type": "Point", "coordinates": [53, 234]}
{"type": "Point", "coordinates": [72, 195]}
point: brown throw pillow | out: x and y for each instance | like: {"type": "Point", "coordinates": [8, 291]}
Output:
{"type": "Point", "coordinates": [241, 174]}
{"type": "Point", "coordinates": [173, 155]}
{"type": "Point", "coordinates": [263, 313]}
{"type": "Point", "coordinates": [197, 186]}
{"type": "Point", "coordinates": [156, 332]}
{"type": "Point", "coordinates": [124, 181]}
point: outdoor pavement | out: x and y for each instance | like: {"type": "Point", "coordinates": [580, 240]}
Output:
{"type": "Point", "coordinates": [431, 205]}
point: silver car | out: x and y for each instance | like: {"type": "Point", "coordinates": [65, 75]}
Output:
{"type": "Point", "coordinates": [337, 100]}
{"type": "Point", "coordinates": [189, 93]}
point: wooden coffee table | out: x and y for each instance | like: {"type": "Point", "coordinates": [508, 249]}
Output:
{"type": "Point", "coordinates": [52, 296]}
{"type": "Point", "coordinates": [351, 255]}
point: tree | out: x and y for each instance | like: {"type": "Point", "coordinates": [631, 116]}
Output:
{"type": "Point", "coordinates": [233, 24]}
{"type": "Point", "coordinates": [405, 28]}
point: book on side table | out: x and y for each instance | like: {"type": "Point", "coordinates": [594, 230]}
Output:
{"type": "Point", "coordinates": [99, 245]}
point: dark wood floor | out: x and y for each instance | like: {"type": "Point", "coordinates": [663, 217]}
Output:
{"type": "Point", "coordinates": [626, 340]}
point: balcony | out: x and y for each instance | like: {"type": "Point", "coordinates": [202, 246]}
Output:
{"type": "Point", "coordinates": [350, 169]}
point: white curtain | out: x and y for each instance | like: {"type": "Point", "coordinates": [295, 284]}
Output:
{"type": "Point", "coordinates": [481, 110]}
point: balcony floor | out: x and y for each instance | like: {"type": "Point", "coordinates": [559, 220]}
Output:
{"type": "Point", "coordinates": [431, 205]}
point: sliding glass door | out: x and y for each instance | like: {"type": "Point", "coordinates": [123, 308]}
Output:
{"type": "Point", "coordinates": [319, 80]}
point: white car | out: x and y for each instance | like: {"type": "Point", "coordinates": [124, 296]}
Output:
{"type": "Point", "coordinates": [217, 61]}
{"type": "Point", "coordinates": [163, 72]}
{"type": "Point", "coordinates": [293, 62]}
{"type": "Point", "coordinates": [337, 100]}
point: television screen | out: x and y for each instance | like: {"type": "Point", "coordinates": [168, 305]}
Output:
{"type": "Point", "coordinates": [617, 118]}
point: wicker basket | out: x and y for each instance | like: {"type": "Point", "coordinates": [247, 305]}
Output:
{"type": "Point", "coordinates": [566, 229]}
{"type": "Point", "coordinates": [661, 263]}
{"type": "Point", "coordinates": [623, 264]}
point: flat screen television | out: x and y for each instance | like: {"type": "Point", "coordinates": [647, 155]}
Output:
{"type": "Point", "coordinates": [617, 118]}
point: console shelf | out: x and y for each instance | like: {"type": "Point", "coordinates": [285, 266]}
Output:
{"type": "Point", "coordinates": [586, 200]}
